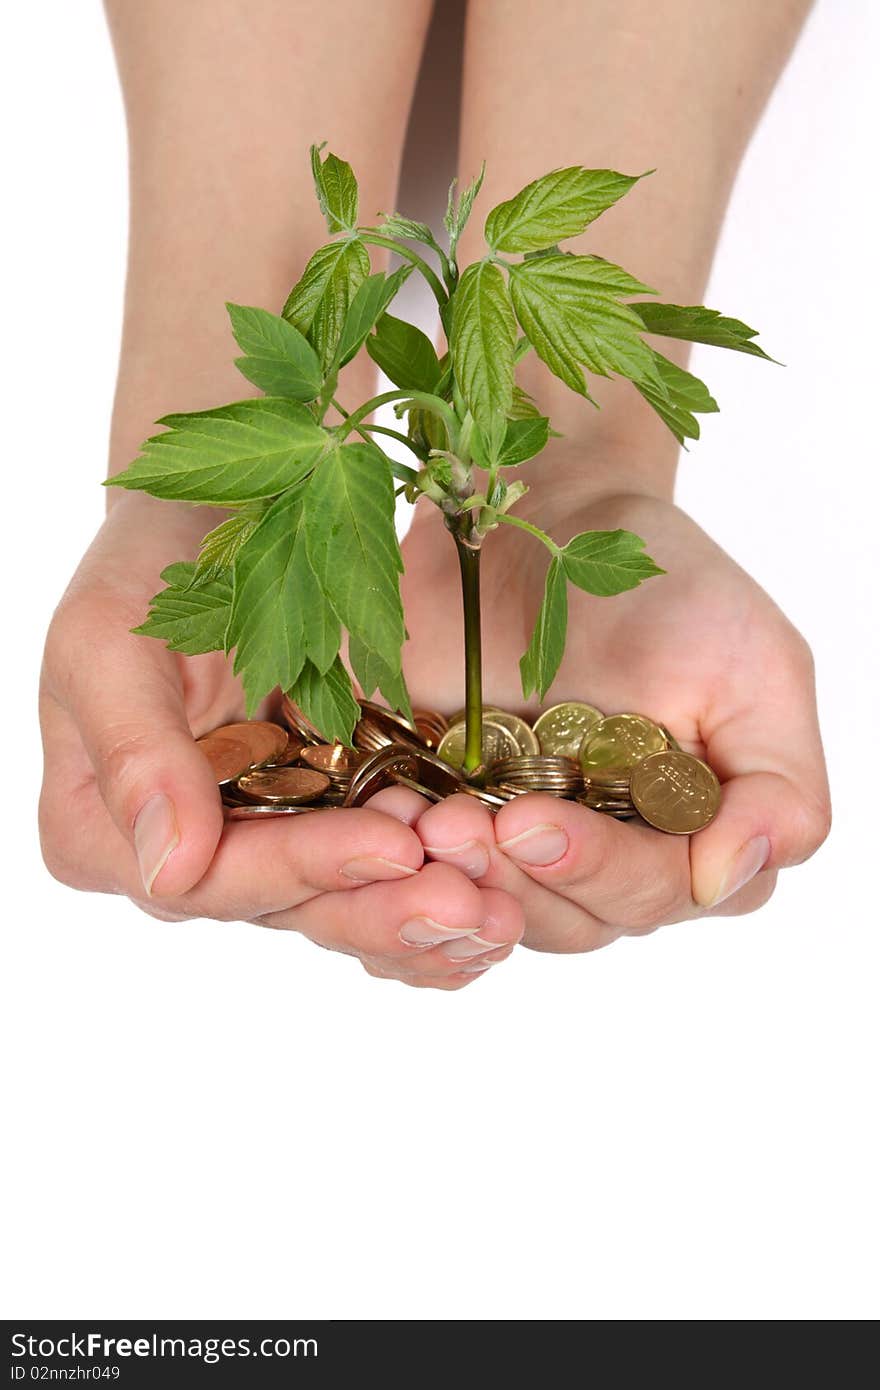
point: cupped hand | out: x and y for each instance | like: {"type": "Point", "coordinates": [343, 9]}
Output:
{"type": "Point", "coordinates": [129, 804]}
{"type": "Point", "coordinates": [702, 650]}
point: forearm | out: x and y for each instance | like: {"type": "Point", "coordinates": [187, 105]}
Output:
{"type": "Point", "coordinates": [223, 98]}
{"type": "Point", "coordinates": [675, 85]}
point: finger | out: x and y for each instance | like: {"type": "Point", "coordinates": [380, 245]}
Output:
{"type": "Point", "coordinates": [268, 867]}
{"type": "Point", "coordinates": [622, 874]}
{"type": "Point", "coordinates": [158, 788]}
{"type": "Point", "coordinates": [392, 921]}
{"type": "Point", "coordinates": [775, 809]}
{"type": "Point", "coordinates": [458, 831]}
{"type": "Point", "coordinates": [400, 802]}
{"type": "Point", "coordinates": [501, 930]}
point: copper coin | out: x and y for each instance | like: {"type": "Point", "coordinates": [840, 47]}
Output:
{"type": "Point", "coordinates": [437, 774]}
{"type": "Point", "coordinates": [229, 757]}
{"type": "Point", "coordinates": [286, 785]}
{"type": "Point", "coordinates": [675, 792]}
{"type": "Point", "coordinates": [414, 786]}
{"type": "Point", "coordinates": [290, 755]}
{"type": "Point", "coordinates": [263, 740]}
{"type": "Point", "coordinates": [334, 759]}
{"type": "Point", "coordinates": [298, 722]}
{"type": "Point", "coordinates": [381, 770]}
{"type": "Point", "coordinates": [398, 728]}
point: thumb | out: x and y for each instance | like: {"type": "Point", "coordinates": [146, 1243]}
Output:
{"type": "Point", "coordinates": [155, 782]}
{"type": "Point", "coordinates": [775, 808]}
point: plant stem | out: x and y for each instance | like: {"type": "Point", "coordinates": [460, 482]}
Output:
{"type": "Point", "coordinates": [542, 536]}
{"type": "Point", "coordinates": [420, 454]}
{"type": "Point", "coordinates": [375, 239]}
{"type": "Point", "coordinates": [469, 562]}
{"type": "Point", "coordinates": [424, 398]}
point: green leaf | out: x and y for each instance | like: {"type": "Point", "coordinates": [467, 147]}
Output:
{"type": "Point", "coordinates": [404, 227]}
{"type": "Point", "coordinates": [482, 345]}
{"type": "Point", "coordinates": [373, 674]}
{"type": "Point", "coordinates": [559, 205]}
{"type": "Point", "coordinates": [542, 658]}
{"type": "Point", "coordinates": [236, 453]}
{"type": "Point", "coordinates": [274, 596]}
{"type": "Point", "coordinates": [405, 354]}
{"type": "Point", "coordinates": [352, 545]}
{"type": "Point", "coordinates": [189, 615]}
{"type": "Point", "coordinates": [523, 439]}
{"type": "Point", "coordinates": [220, 546]}
{"type": "Point", "coordinates": [337, 190]}
{"type": "Point", "coordinates": [327, 700]}
{"type": "Point", "coordinates": [457, 215]}
{"type": "Point", "coordinates": [370, 301]}
{"type": "Point", "coordinates": [696, 324]}
{"type": "Point", "coordinates": [319, 303]}
{"type": "Point", "coordinates": [523, 406]}
{"type": "Point", "coordinates": [685, 394]}
{"type": "Point", "coordinates": [607, 562]}
{"type": "Point", "coordinates": [569, 308]}
{"type": "Point", "coordinates": [278, 358]}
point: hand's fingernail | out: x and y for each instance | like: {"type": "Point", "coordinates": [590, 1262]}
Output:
{"type": "Point", "coordinates": [470, 856]}
{"type": "Point", "coordinates": [155, 836]}
{"type": "Point", "coordinates": [423, 931]}
{"type": "Point", "coordinates": [466, 947]}
{"type": "Point", "coordinates": [749, 861]}
{"type": "Point", "coordinates": [478, 968]}
{"type": "Point", "coordinates": [543, 844]}
{"type": "Point", "coordinates": [369, 870]}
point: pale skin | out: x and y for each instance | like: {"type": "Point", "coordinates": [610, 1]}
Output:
{"type": "Point", "coordinates": [222, 100]}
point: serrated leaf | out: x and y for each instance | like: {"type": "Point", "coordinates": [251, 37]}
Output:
{"type": "Point", "coordinates": [318, 304]}
{"type": "Point", "coordinates": [523, 439]}
{"type": "Point", "coordinates": [522, 406]}
{"type": "Point", "coordinates": [274, 597]}
{"type": "Point", "coordinates": [396, 225]}
{"type": "Point", "coordinates": [327, 701]}
{"type": "Point", "coordinates": [219, 547]}
{"type": "Point", "coordinates": [457, 214]}
{"type": "Point", "coordinates": [552, 208]}
{"type": "Point", "coordinates": [277, 358]}
{"type": "Point", "coordinates": [369, 303]}
{"type": "Point", "coordinates": [188, 615]}
{"type": "Point", "coordinates": [697, 324]}
{"type": "Point", "coordinates": [353, 548]}
{"type": "Point", "coordinates": [237, 453]}
{"type": "Point", "coordinates": [685, 395]}
{"type": "Point", "coordinates": [373, 674]}
{"type": "Point", "coordinates": [482, 344]}
{"type": "Point", "coordinates": [569, 308]}
{"type": "Point", "coordinates": [337, 190]}
{"type": "Point", "coordinates": [607, 562]}
{"type": "Point", "coordinates": [405, 354]}
{"type": "Point", "coordinates": [541, 660]}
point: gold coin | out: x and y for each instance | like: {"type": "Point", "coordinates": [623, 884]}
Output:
{"type": "Point", "coordinates": [522, 732]}
{"type": "Point", "coordinates": [286, 785]}
{"type": "Point", "coordinates": [560, 730]}
{"type": "Point", "coordinates": [498, 743]}
{"type": "Point", "coordinates": [334, 759]}
{"type": "Point", "coordinates": [675, 792]}
{"type": "Point", "coordinates": [620, 741]}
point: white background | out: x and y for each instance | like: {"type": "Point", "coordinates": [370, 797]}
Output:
{"type": "Point", "coordinates": [220, 1121]}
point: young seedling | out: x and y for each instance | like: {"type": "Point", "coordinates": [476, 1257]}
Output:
{"type": "Point", "coordinates": [309, 548]}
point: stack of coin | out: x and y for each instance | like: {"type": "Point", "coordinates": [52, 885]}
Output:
{"type": "Point", "coordinates": [430, 727]}
{"type": "Point", "coordinates": [378, 727]}
{"type": "Point", "coordinates": [337, 763]}
{"type": "Point", "coordinates": [611, 748]}
{"type": "Point", "coordinates": [537, 773]}
{"type": "Point", "coordinates": [625, 764]}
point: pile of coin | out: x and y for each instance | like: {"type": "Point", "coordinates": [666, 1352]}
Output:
{"type": "Point", "coordinates": [622, 765]}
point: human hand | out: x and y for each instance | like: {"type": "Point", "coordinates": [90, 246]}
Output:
{"type": "Point", "coordinates": [702, 650]}
{"type": "Point", "coordinates": [129, 804]}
